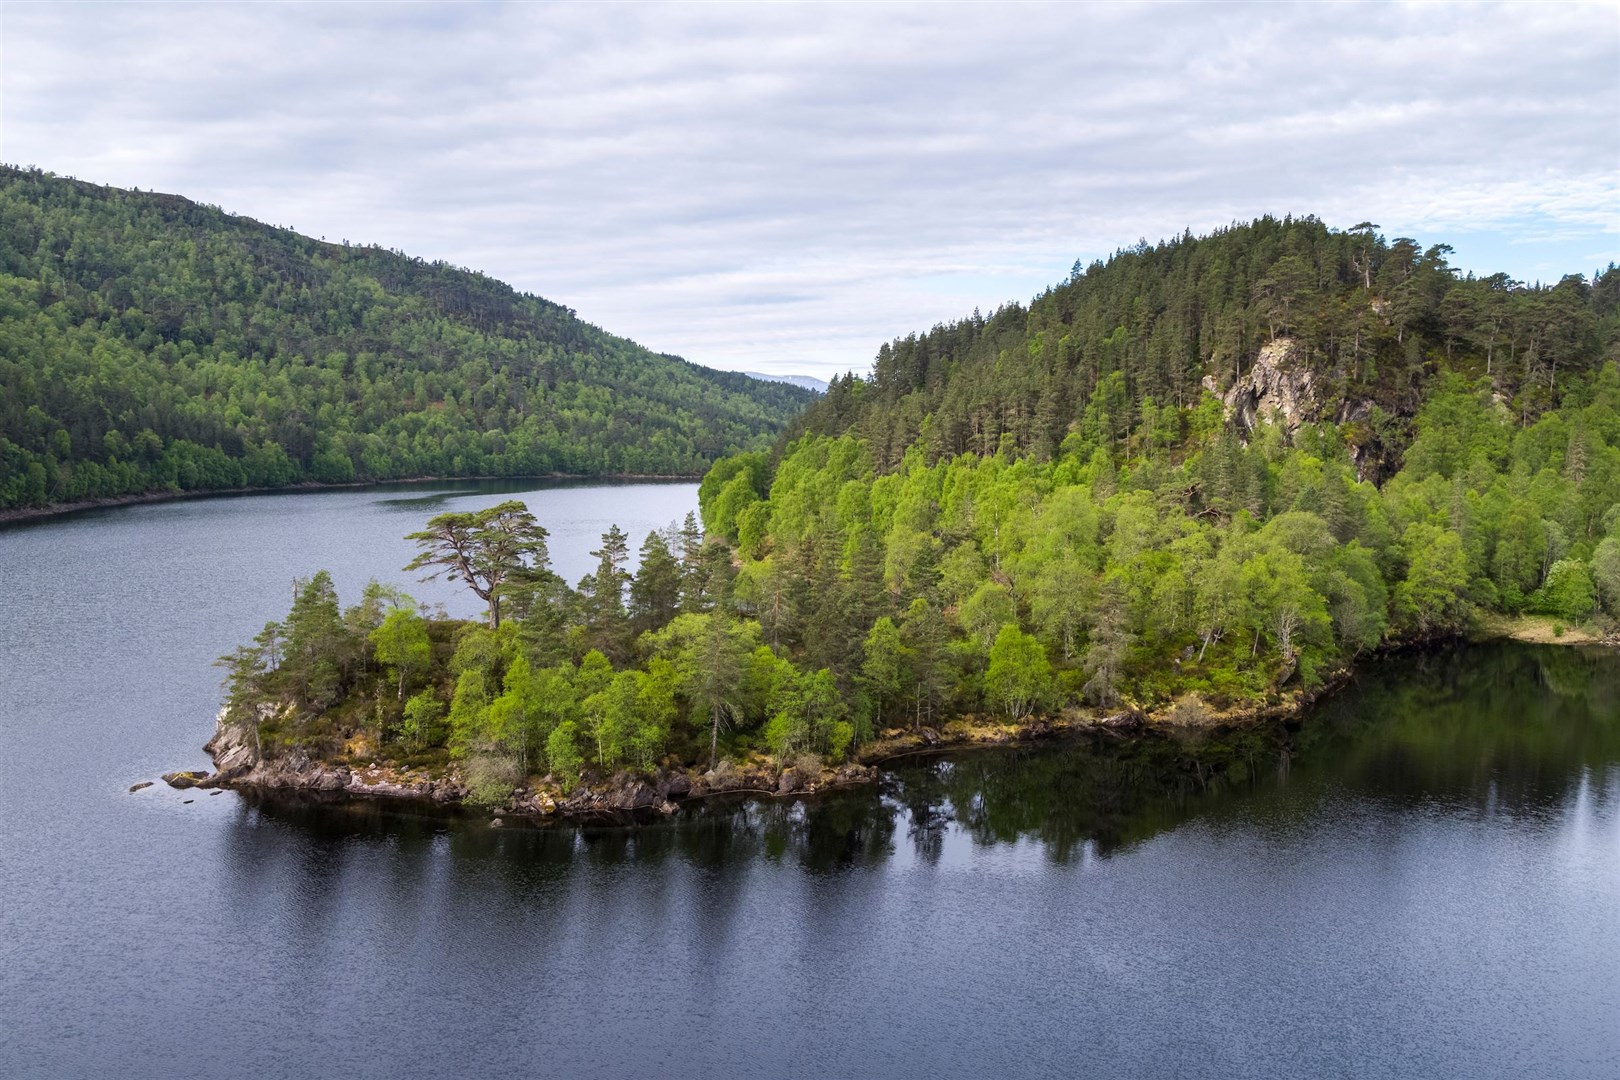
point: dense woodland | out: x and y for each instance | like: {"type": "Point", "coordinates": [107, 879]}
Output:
{"type": "Point", "coordinates": [1040, 510]}
{"type": "Point", "coordinates": [149, 343]}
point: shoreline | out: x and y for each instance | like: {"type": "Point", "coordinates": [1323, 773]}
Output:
{"type": "Point", "coordinates": [29, 514]}
{"type": "Point", "coordinates": [630, 796]}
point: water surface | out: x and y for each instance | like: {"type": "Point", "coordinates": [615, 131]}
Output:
{"type": "Point", "coordinates": [1422, 880]}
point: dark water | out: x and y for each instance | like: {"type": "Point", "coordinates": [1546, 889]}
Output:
{"type": "Point", "coordinates": [1423, 880]}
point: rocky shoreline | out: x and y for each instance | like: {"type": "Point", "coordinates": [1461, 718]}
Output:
{"type": "Point", "coordinates": [238, 764]}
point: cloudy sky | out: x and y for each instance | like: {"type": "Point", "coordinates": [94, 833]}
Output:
{"type": "Point", "coordinates": [782, 188]}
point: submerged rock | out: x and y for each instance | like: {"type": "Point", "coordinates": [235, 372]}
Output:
{"type": "Point", "coordinates": [137, 787]}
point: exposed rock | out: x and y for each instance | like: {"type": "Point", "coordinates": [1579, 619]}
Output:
{"type": "Point", "coordinates": [634, 795]}
{"type": "Point", "coordinates": [1130, 720]}
{"type": "Point", "coordinates": [789, 782]}
{"type": "Point", "coordinates": [723, 777]}
{"type": "Point", "coordinates": [853, 773]}
{"type": "Point", "coordinates": [1278, 384]}
{"type": "Point", "coordinates": [676, 786]}
{"type": "Point", "coordinates": [496, 823]}
{"type": "Point", "coordinates": [137, 787]}
{"type": "Point", "coordinates": [185, 778]}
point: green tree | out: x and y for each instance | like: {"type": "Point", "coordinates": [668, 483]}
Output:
{"type": "Point", "coordinates": [1606, 574]}
{"type": "Point", "coordinates": [401, 642]}
{"type": "Point", "coordinates": [1105, 659]}
{"type": "Point", "coordinates": [925, 636]}
{"type": "Point", "coordinates": [421, 717]}
{"type": "Point", "coordinates": [601, 596]}
{"type": "Point", "coordinates": [315, 638]}
{"type": "Point", "coordinates": [1434, 594]}
{"type": "Point", "coordinates": [1568, 592]}
{"type": "Point", "coordinates": [655, 592]}
{"type": "Point", "coordinates": [485, 549]}
{"type": "Point", "coordinates": [1020, 676]}
{"type": "Point", "coordinates": [883, 666]}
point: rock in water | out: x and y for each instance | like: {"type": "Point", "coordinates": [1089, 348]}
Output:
{"type": "Point", "coordinates": [185, 778]}
{"type": "Point", "coordinates": [137, 787]}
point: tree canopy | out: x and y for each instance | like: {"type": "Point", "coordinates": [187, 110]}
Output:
{"type": "Point", "coordinates": [149, 343]}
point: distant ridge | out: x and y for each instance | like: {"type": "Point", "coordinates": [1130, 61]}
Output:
{"type": "Point", "coordinates": [150, 344]}
{"type": "Point", "coordinates": [807, 382]}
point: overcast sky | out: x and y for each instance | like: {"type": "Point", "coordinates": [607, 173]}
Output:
{"type": "Point", "coordinates": [783, 188]}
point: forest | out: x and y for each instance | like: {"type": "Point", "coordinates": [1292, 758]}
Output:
{"type": "Point", "coordinates": [1046, 510]}
{"type": "Point", "coordinates": [149, 343]}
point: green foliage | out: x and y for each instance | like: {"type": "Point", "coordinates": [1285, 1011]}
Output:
{"type": "Point", "coordinates": [1606, 575]}
{"type": "Point", "coordinates": [1019, 679]}
{"type": "Point", "coordinates": [1046, 508]}
{"type": "Point", "coordinates": [421, 719]}
{"type": "Point", "coordinates": [148, 343]}
{"type": "Point", "coordinates": [1434, 594]}
{"type": "Point", "coordinates": [562, 751]}
{"type": "Point", "coordinates": [487, 550]}
{"type": "Point", "coordinates": [401, 641]}
{"type": "Point", "coordinates": [1568, 592]}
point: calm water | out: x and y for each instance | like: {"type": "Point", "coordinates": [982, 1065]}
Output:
{"type": "Point", "coordinates": [1423, 880]}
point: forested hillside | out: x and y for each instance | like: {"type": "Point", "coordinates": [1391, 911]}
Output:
{"type": "Point", "coordinates": [1208, 472]}
{"type": "Point", "coordinates": [1202, 477]}
{"type": "Point", "coordinates": [1123, 348]}
{"type": "Point", "coordinates": [150, 343]}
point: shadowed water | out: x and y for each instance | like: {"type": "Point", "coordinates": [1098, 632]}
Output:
{"type": "Point", "coordinates": [1421, 880]}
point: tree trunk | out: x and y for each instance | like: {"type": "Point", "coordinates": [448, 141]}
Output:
{"type": "Point", "coordinates": [714, 736]}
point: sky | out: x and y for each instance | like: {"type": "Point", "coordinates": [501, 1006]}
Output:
{"type": "Point", "coordinates": [782, 188]}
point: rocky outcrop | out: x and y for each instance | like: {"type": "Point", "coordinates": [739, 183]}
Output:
{"type": "Point", "coordinates": [239, 763]}
{"type": "Point", "coordinates": [1278, 385]}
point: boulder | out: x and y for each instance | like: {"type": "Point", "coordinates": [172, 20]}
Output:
{"type": "Point", "coordinates": [185, 778]}
{"type": "Point", "coordinates": [789, 782]}
{"type": "Point", "coordinates": [137, 787]}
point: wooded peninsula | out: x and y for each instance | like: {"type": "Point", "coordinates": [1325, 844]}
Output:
{"type": "Point", "coordinates": [1190, 484]}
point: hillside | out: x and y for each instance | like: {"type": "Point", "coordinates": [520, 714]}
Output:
{"type": "Point", "coordinates": [1171, 487]}
{"type": "Point", "coordinates": [151, 343]}
{"type": "Point", "coordinates": [1371, 323]}
{"type": "Point", "coordinates": [1209, 472]}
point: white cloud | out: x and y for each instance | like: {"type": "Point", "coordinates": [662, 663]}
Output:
{"type": "Point", "coordinates": [781, 188]}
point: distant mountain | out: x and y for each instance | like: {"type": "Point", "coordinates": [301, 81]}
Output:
{"type": "Point", "coordinates": [808, 382]}
{"type": "Point", "coordinates": [150, 343]}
